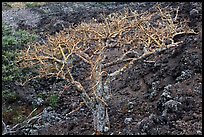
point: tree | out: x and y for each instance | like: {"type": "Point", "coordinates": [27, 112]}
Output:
{"type": "Point", "coordinates": [90, 41]}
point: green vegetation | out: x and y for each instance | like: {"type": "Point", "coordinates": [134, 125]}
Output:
{"type": "Point", "coordinates": [10, 96]}
{"type": "Point", "coordinates": [14, 115]}
{"type": "Point", "coordinates": [33, 4]}
{"type": "Point", "coordinates": [53, 100]}
{"type": "Point", "coordinates": [11, 43]}
{"type": "Point", "coordinates": [18, 118]}
{"type": "Point", "coordinates": [23, 4]}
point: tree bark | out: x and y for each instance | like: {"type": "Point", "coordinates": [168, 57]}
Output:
{"type": "Point", "coordinates": [100, 113]}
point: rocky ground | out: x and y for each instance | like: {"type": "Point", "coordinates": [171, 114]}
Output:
{"type": "Point", "coordinates": [163, 97]}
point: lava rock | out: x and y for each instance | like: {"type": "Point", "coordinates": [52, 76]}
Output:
{"type": "Point", "coordinates": [130, 106]}
{"type": "Point", "coordinates": [153, 92]}
{"type": "Point", "coordinates": [39, 101]}
{"type": "Point", "coordinates": [171, 105]}
{"type": "Point", "coordinates": [50, 117]}
{"type": "Point", "coordinates": [127, 120]}
{"type": "Point", "coordinates": [33, 132]}
{"type": "Point", "coordinates": [165, 96]}
{"type": "Point", "coordinates": [146, 124]}
{"type": "Point", "coordinates": [194, 13]}
{"type": "Point", "coordinates": [184, 75]}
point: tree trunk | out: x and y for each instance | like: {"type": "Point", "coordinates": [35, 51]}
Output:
{"type": "Point", "coordinates": [100, 113]}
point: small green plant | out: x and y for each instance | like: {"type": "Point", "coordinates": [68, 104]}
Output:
{"type": "Point", "coordinates": [10, 96]}
{"type": "Point", "coordinates": [53, 100]}
{"type": "Point", "coordinates": [33, 4]}
{"type": "Point", "coordinates": [18, 118]}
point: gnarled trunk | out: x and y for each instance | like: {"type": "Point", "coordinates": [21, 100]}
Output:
{"type": "Point", "coordinates": [100, 113]}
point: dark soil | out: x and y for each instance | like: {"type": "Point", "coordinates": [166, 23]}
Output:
{"type": "Point", "coordinates": [163, 97]}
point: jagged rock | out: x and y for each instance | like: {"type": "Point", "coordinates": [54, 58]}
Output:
{"type": "Point", "coordinates": [127, 120]}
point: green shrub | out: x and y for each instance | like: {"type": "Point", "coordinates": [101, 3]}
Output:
{"type": "Point", "coordinates": [34, 4]}
{"type": "Point", "coordinates": [12, 41]}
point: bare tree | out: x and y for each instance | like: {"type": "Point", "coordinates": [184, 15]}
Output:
{"type": "Point", "coordinates": [90, 41]}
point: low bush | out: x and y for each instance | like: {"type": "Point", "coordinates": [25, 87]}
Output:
{"type": "Point", "coordinates": [12, 42]}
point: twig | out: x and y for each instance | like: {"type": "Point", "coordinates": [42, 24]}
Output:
{"type": "Point", "coordinates": [5, 130]}
{"type": "Point", "coordinates": [120, 60]}
{"type": "Point", "coordinates": [81, 105]}
{"type": "Point", "coordinates": [32, 113]}
{"type": "Point", "coordinates": [177, 10]}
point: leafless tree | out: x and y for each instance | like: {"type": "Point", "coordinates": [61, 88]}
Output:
{"type": "Point", "coordinates": [90, 42]}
